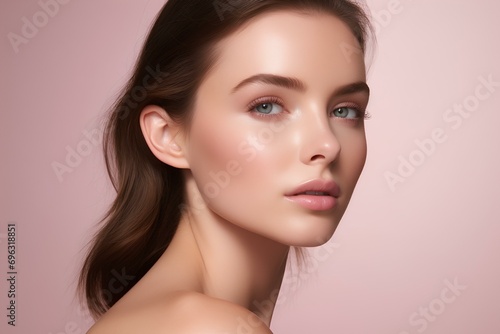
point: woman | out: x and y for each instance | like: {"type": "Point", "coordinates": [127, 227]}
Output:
{"type": "Point", "coordinates": [239, 135]}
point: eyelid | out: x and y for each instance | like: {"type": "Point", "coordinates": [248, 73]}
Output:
{"type": "Point", "coordinates": [361, 113]}
{"type": "Point", "coordinates": [265, 99]}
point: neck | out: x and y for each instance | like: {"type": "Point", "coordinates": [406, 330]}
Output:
{"type": "Point", "coordinates": [227, 262]}
{"type": "Point", "coordinates": [237, 265]}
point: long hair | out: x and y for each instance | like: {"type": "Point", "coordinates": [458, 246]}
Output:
{"type": "Point", "coordinates": [176, 56]}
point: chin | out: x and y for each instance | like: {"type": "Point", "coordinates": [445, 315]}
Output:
{"type": "Point", "coordinates": [309, 232]}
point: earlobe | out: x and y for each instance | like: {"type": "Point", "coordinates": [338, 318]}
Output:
{"type": "Point", "coordinates": [163, 136]}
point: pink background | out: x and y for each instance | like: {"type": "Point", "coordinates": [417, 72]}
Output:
{"type": "Point", "coordinates": [395, 248]}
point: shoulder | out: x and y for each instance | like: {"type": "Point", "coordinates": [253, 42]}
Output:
{"type": "Point", "coordinates": [183, 313]}
{"type": "Point", "coordinates": [203, 314]}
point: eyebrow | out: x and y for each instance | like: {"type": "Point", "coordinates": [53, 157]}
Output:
{"type": "Point", "coordinates": [296, 84]}
{"type": "Point", "coordinates": [357, 87]}
{"type": "Point", "coordinates": [272, 79]}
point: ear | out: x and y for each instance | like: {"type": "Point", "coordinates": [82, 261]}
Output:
{"type": "Point", "coordinates": [164, 136]}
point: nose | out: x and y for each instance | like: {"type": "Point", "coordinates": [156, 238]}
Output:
{"type": "Point", "coordinates": [319, 143]}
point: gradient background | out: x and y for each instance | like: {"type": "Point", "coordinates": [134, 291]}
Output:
{"type": "Point", "coordinates": [394, 249]}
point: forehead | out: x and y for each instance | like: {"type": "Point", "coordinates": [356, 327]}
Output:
{"type": "Point", "coordinates": [303, 45]}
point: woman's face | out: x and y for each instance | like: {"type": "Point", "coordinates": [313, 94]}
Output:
{"type": "Point", "coordinates": [277, 140]}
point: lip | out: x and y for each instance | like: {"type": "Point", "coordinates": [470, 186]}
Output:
{"type": "Point", "coordinates": [317, 202]}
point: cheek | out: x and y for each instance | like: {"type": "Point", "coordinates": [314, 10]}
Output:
{"type": "Point", "coordinates": [225, 156]}
{"type": "Point", "coordinates": [353, 157]}
{"type": "Point", "coordinates": [213, 157]}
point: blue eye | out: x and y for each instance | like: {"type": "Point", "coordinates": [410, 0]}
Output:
{"type": "Point", "coordinates": [268, 108]}
{"type": "Point", "coordinates": [346, 112]}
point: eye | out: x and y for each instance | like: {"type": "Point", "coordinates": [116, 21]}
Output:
{"type": "Point", "coordinates": [266, 106]}
{"type": "Point", "coordinates": [269, 108]}
{"type": "Point", "coordinates": [346, 112]}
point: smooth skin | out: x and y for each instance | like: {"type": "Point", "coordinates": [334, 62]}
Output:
{"type": "Point", "coordinates": [253, 138]}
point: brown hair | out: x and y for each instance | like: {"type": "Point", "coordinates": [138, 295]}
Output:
{"type": "Point", "coordinates": [174, 60]}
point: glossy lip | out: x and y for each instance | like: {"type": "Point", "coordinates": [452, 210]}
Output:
{"type": "Point", "coordinates": [316, 202]}
{"type": "Point", "coordinates": [327, 186]}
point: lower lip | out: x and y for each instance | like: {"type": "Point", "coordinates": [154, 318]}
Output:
{"type": "Point", "coordinates": [314, 202]}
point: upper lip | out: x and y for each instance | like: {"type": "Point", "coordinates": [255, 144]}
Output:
{"type": "Point", "coordinates": [329, 187]}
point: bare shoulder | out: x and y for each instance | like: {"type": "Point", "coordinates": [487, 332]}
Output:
{"type": "Point", "coordinates": [203, 314]}
{"type": "Point", "coordinates": [183, 313]}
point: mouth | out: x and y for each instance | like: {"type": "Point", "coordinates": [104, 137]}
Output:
{"type": "Point", "coordinates": [316, 195]}
{"type": "Point", "coordinates": [317, 187]}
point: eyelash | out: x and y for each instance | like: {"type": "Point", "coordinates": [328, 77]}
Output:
{"type": "Point", "coordinates": [266, 100]}
{"type": "Point", "coordinates": [270, 100]}
{"type": "Point", "coordinates": [360, 114]}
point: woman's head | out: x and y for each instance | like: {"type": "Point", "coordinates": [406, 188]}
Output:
{"type": "Point", "coordinates": [281, 106]}
{"type": "Point", "coordinates": [251, 99]}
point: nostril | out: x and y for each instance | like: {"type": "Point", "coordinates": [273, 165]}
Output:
{"type": "Point", "coordinates": [318, 157]}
